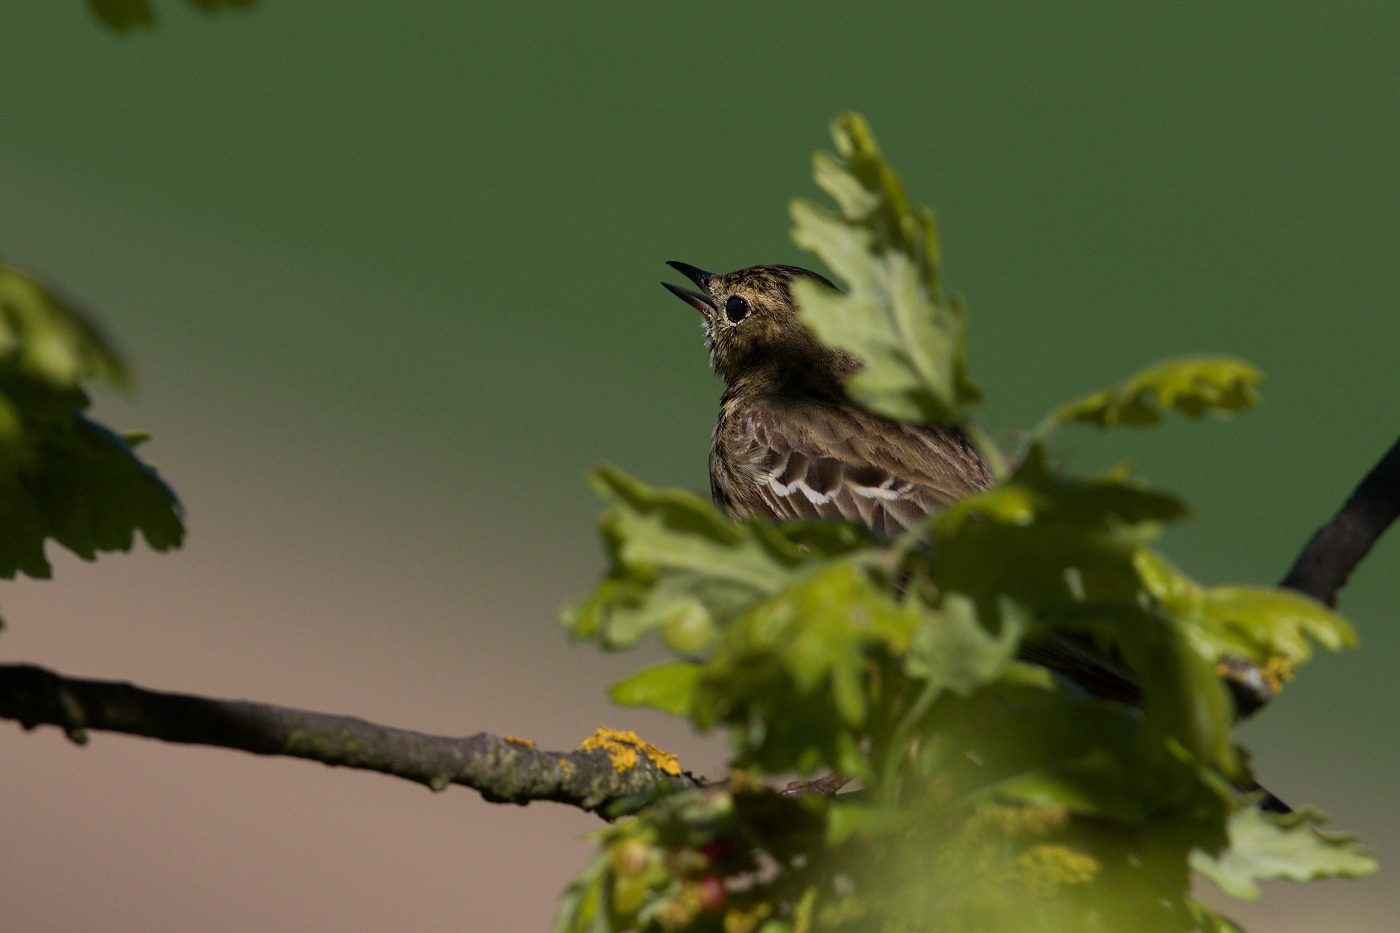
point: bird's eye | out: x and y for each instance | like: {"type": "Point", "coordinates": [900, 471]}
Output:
{"type": "Point", "coordinates": [736, 309]}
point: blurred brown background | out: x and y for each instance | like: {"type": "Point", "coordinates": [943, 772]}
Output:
{"type": "Point", "coordinates": [389, 275]}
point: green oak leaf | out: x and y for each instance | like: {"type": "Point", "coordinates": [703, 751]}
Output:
{"type": "Point", "coordinates": [667, 687]}
{"type": "Point", "coordinates": [62, 475]}
{"type": "Point", "coordinates": [1049, 541]}
{"type": "Point", "coordinates": [894, 316]}
{"type": "Point", "coordinates": [1273, 846]}
{"type": "Point", "coordinates": [45, 336]}
{"type": "Point", "coordinates": [676, 560]}
{"type": "Point", "coordinates": [1064, 549]}
{"type": "Point", "coordinates": [1253, 622]}
{"type": "Point", "coordinates": [791, 675]}
{"type": "Point", "coordinates": [951, 649]}
{"type": "Point", "coordinates": [678, 565]}
{"type": "Point", "coordinates": [955, 672]}
{"type": "Point", "coordinates": [1194, 385]}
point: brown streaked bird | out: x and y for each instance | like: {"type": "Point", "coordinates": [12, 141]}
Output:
{"type": "Point", "coordinates": [789, 444]}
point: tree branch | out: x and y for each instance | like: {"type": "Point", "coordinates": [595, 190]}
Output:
{"type": "Point", "coordinates": [1325, 564]}
{"type": "Point", "coordinates": [512, 771]}
{"type": "Point", "coordinates": [1338, 546]}
{"type": "Point", "coordinates": [503, 771]}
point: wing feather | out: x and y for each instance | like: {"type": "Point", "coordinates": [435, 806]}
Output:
{"type": "Point", "coordinates": [804, 459]}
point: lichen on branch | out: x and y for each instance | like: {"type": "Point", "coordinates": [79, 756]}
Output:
{"type": "Point", "coordinates": [501, 769]}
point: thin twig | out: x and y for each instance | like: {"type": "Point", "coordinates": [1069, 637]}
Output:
{"type": "Point", "coordinates": [503, 771]}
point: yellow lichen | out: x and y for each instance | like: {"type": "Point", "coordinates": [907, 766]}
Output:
{"type": "Point", "coordinates": [1278, 670]}
{"type": "Point", "coordinates": [622, 748]}
{"type": "Point", "coordinates": [528, 743]}
{"type": "Point", "coordinates": [1038, 820]}
{"type": "Point", "coordinates": [1045, 867]}
{"type": "Point", "coordinates": [564, 764]}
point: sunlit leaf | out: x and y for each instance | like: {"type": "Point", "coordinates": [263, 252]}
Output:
{"type": "Point", "coordinates": [1194, 386]}
{"type": "Point", "coordinates": [790, 675]}
{"type": "Point", "coordinates": [1255, 623]}
{"type": "Point", "coordinates": [952, 650]}
{"type": "Point", "coordinates": [1027, 692]}
{"type": "Point", "coordinates": [667, 687]}
{"type": "Point", "coordinates": [44, 335]}
{"type": "Point", "coordinates": [1066, 548]}
{"type": "Point", "coordinates": [893, 315]}
{"type": "Point", "coordinates": [1045, 540]}
{"type": "Point", "coordinates": [62, 475]}
{"type": "Point", "coordinates": [675, 559]}
{"type": "Point", "coordinates": [1273, 846]}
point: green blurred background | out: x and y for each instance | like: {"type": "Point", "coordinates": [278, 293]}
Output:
{"type": "Point", "coordinates": [389, 275]}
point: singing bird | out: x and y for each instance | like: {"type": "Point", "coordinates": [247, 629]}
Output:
{"type": "Point", "coordinates": [789, 444]}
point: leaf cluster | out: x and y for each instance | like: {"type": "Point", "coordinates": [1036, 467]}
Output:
{"type": "Point", "coordinates": [894, 316]}
{"type": "Point", "coordinates": [62, 475]}
{"type": "Point", "coordinates": [1001, 788]}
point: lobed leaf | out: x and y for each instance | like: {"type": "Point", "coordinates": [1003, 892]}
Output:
{"type": "Point", "coordinates": [1194, 386]}
{"type": "Point", "coordinates": [1273, 846]}
{"type": "Point", "coordinates": [676, 563]}
{"type": "Point", "coordinates": [45, 336]}
{"type": "Point", "coordinates": [790, 676]}
{"type": "Point", "coordinates": [951, 649]}
{"type": "Point", "coordinates": [893, 317]}
{"type": "Point", "coordinates": [1048, 541]}
{"type": "Point", "coordinates": [66, 477]}
{"type": "Point", "coordinates": [667, 687]}
{"type": "Point", "coordinates": [1028, 693]}
{"type": "Point", "coordinates": [1260, 624]}
{"type": "Point", "coordinates": [1065, 549]}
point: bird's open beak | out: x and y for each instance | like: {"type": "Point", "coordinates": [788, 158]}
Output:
{"type": "Point", "coordinates": [700, 302]}
{"type": "Point", "coordinates": [699, 276]}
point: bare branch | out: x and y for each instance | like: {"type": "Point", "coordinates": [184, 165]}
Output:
{"type": "Point", "coordinates": [1338, 546]}
{"type": "Point", "coordinates": [1325, 564]}
{"type": "Point", "coordinates": [503, 771]}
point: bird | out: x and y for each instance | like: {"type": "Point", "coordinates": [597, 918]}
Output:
{"type": "Point", "coordinates": [789, 444]}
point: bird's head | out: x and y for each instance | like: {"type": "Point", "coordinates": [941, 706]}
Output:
{"type": "Point", "coordinates": [751, 322]}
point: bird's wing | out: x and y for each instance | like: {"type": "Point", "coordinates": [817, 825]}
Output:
{"type": "Point", "coordinates": [820, 460]}
{"type": "Point", "coordinates": [1079, 660]}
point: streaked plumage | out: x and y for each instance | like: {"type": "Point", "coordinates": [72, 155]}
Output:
{"type": "Point", "coordinates": [794, 457]}
{"type": "Point", "coordinates": [789, 444]}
